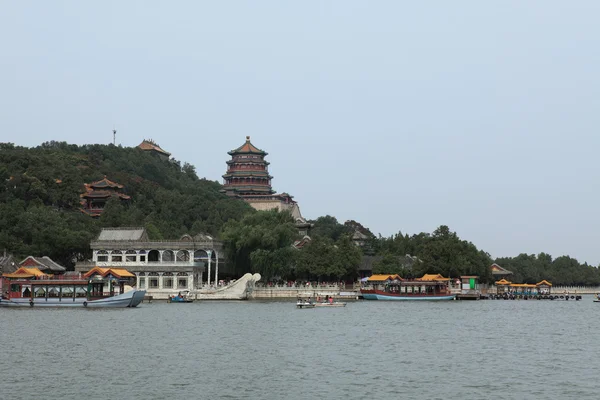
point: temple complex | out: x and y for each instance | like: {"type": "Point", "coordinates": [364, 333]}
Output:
{"type": "Point", "coordinates": [98, 193]}
{"type": "Point", "coordinates": [248, 177]}
{"type": "Point", "coordinates": [153, 147]}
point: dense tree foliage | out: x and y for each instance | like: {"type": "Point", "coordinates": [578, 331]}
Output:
{"type": "Point", "coordinates": [263, 242]}
{"type": "Point", "coordinates": [40, 189]}
{"type": "Point", "coordinates": [441, 252]}
{"type": "Point", "coordinates": [564, 270]}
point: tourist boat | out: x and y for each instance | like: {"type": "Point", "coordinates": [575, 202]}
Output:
{"type": "Point", "coordinates": [99, 288]}
{"type": "Point", "coordinates": [328, 302]}
{"type": "Point", "coordinates": [182, 297]}
{"type": "Point", "coordinates": [393, 287]}
{"type": "Point", "coordinates": [305, 304]}
{"type": "Point", "coordinates": [331, 304]}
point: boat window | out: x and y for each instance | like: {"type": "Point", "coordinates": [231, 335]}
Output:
{"type": "Point", "coordinates": [53, 291]}
{"type": "Point", "coordinates": [67, 291]}
{"type": "Point", "coordinates": [39, 291]}
{"type": "Point", "coordinates": [81, 291]}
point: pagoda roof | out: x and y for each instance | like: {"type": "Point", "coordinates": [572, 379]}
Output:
{"type": "Point", "coordinates": [24, 272]}
{"type": "Point", "coordinates": [105, 183]}
{"type": "Point", "coordinates": [383, 277]}
{"type": "Point", "coordinates": [503, 282]}
{"type": "Point", "coordinates": [102, 194]}
{"type": "Point", "coordinates": [247, 173]}
{"type": "Point", "coordinates": [498, 270]}
{"type": "Point", "coordinates": [260, 161]}
{"type": "Point", "coordinates": [116, 272]}
{"type": "Point", "coordinates": [248, 147]}
{"type": "Point", "coordinates": [150, 145]}
{"type": "Point", "coordinates": [544, 282]}
{"type": "Point", "coordinates": [433, 277]}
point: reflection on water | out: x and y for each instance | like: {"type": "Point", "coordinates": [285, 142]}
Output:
{"type": "Point", "coordinates": [252, 350]}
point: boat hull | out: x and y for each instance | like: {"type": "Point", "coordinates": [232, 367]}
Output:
{"type": "Point", "coordinates": [129, 299]}
{"type": "Point", "coordinates": [305, 305]}
{"type": "Point", "coordinates": [330, 304]}
{"type": "Point", "coordinates": [381, 296]}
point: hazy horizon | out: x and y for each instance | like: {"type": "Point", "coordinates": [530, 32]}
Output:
{"type": "Point", "coordinates": [477, 115]}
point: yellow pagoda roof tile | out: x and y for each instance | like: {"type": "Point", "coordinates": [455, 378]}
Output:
{"type": "Point", "coordinates": [433, 277]}
{"type": "Point", "coordinates": [383, 277]}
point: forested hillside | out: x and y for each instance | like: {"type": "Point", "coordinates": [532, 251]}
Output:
{"type": "Point", "coordinates": [40, 189]}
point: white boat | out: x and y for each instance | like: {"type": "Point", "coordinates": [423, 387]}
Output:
{"type": "Point", "coordinates": [305, 304]}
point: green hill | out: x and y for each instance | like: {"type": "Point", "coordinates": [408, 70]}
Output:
{"type": "Point", "coordinates": [40, 198]}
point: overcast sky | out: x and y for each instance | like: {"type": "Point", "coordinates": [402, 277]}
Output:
{"type": "Point", "coordinates": [402, 115]}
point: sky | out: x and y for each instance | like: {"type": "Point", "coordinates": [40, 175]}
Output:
{"type": "Point", "coordinates": [401, 115]}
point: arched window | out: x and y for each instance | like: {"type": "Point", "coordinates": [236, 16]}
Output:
{"type": "Point", "coordinates": [153, 256]}
{"type": "Point", "coordinates": [102, 256]}
{"type": "Point", "coordinates": [130, 256]}
{"type": "Point", "coordinates": [168, 256]}
{"type": "Point", "coordinates": [116, 256]}
{"type": "Point", "coordinates": [183, 255]}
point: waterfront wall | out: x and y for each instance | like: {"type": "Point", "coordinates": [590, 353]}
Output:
{"type": "Point", "coordinates": [284, 293]}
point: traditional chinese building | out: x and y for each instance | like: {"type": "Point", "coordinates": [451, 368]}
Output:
{"type": "Point", "coordinates": [248, 177]}
{"type": "Point", "coordinates": [98, 193]}
{"type": "Point", "coordinates": [44, 264]}
{"type": "Point", "coordinates": [153, 147]}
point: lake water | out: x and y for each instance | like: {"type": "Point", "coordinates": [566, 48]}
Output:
{"type": "Point", "coordinates": [255, 350]}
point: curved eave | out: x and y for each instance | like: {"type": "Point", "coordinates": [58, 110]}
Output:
{"type": "Point", "coordinates": [247, 162]}
{"type": "Point", "coordinates": [236, 152]}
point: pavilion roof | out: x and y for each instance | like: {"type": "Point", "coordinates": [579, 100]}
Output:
{"type": "Point", "coordinates": [498, 270]}
{"type": "Point", "coordinates": [248, 147]}
{"type": "Point", "coordinates": [25, 272]}
{"type": "Point", "coordinates": [383, 277]}
{"type": "Point", "coordinates": [434, 277]}
{"type": "Point", "coordinates": [150, 145]}
{"type": "Point", "coordinates": [117, 272]}
{"type": "Point", "coordinates": [503, 282]}
{"type": "Point", "coordinates": [105, 183]}
{"type": "Point", "coordinates": [544, 282]}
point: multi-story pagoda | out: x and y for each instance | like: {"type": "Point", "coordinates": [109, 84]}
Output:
{"type": "Point", "coordinates": [98, 193]}
{"type": "Point", "coordinates": [247, 172]}
{"type": "Point", "coordinates": [248, 177]}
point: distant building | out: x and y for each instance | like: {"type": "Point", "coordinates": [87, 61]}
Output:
{"type": "Point", "coordinates": [498, 272]}
{"type": "Point", "coordinates": [248, 177]}
{"type": "Point", "coordinates": [7, 263]}
{"type": "Point", "coordinates": [153, 147]}
{"type": "Point", "coordinates": [44, 264]}
{"type": "Point", "coordinates": [98, 193]}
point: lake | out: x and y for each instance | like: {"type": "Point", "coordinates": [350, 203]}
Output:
{"type": "Point", "coordinates": [271, 350]}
